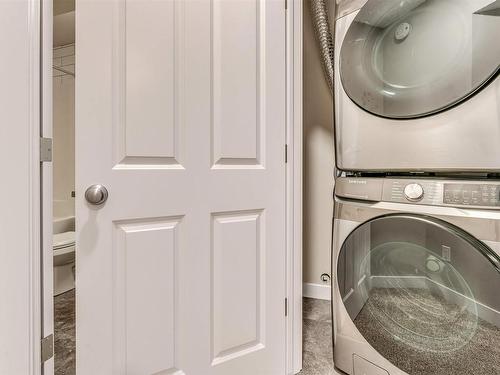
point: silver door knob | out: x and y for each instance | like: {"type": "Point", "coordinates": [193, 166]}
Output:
{"type": "Point", "coordinates": [96, 194]}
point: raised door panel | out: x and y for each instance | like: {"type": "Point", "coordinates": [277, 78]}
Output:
{"type": "Point", "coordinates": [238, 83]}
{"type": "Point", "coordinates": [145, 296]}
{"type": "Point", "coordinates": [237, 290]}
{"type": "Point", "coordinates": [148, 76]}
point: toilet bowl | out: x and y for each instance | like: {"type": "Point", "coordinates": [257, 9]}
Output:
{"type": "Point", "coordinates": [64, 261]}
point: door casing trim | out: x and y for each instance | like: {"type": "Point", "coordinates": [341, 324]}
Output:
{"type": "Point", "coordinates": [294, 131]}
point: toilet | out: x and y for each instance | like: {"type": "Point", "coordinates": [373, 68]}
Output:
{"type": "Point", "coordinates": [64, 261]}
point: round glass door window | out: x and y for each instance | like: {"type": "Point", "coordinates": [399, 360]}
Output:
{"type": "Point", "coordinates": [424, 294]}
{"type": "Point", "coordinates": [412, 58]}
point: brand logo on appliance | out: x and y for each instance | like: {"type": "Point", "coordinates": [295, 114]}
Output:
{"type": "Point", "coordinates": [359, 182]}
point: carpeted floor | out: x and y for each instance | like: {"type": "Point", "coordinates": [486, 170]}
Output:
{"type": "Point", "coordinates": [317, 338]}
{"type": "Point", "coordinates": [422, 334]}
{"type": "Point", "coordinates": [318, 359]}
{"type": "Point", "coordinates": [479, 355]}
{"type": "Point", "coordinates": [64, 334]}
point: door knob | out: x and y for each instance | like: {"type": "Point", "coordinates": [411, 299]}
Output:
{"type": "Point", "coordinates": [96, 194]}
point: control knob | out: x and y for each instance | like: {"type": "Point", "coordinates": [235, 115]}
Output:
{"type": "Point", "coordinates": [414, 192]}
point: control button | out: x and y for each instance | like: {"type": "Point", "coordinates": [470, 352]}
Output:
{"type": "Point", "coordinates": [414, 192]}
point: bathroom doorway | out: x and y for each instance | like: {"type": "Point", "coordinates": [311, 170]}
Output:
{"type": "Point", "coordinates": [63, 159]}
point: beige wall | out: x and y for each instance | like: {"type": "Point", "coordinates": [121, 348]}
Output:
{"type": "Point", "coordinates": [64, 131]}
{"type": "Point", "coordinates": [318, 160]}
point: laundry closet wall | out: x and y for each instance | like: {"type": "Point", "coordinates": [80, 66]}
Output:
{"type": "Point", "coordinates": [318, 162]}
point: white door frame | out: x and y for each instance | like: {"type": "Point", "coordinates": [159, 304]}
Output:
{"type": "Point", "coordinates": [294, 184]}
{"type": "Point", "coordinates": [20, 274]}
{"type": "Point", "coordinates": [33, 230]}
{"type": "Point", "coordinates": [46, 184]}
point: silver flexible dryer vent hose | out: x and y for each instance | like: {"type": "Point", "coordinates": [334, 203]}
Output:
{"type": "Point", "coordinates": [321, 24]}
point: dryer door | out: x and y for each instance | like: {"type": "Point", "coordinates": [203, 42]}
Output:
{"type": "Point", "coordinates": [424, 296]}
{"type": "Point", "coordinates": [412, 58]}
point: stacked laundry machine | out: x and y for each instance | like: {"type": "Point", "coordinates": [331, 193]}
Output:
{"type": "Point", "coordinates": [416, 244]}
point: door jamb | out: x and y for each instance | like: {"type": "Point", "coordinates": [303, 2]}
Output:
{"type": "Point", "coordinates": [33, 293]}
{"type": "Point", "coordinates": [35, 250]}
{"type": "Point", "coordinates": [46, 183]}
{"type": "Point", "coordinates": [294, 184]}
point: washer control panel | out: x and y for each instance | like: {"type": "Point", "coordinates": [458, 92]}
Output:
{"type": "Point", "coordinates": [487, 195]}
{"type": "Point", "coordinates": [414, 192]}
{"type": "Point", "coordinates": [433, 192]}
{"type": "Point", "coordinates": [410, 191]}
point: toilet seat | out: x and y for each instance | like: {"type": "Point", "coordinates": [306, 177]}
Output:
{"type": "Point", "coordinates": [63, 240]}
{"type": "Point", "coordinates": [63, 245]}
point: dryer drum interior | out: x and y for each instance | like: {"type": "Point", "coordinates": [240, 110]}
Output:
{"type": "Point", "coordinates": [423, 293]}
{"type": "Point", "coordinates": [412, 58]}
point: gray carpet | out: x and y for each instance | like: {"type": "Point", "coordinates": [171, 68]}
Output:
{"type": "Point", "coordinates": [317, 338]}
{"type": "Point", "coordinates": [479, 356]}
{"type": "Point", "coordinates": [318, 358]}
{"type": "Point", "coordinates": [422, 334]}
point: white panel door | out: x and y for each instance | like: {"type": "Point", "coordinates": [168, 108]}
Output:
{"type": "Point", "coordinates": [180, 113]}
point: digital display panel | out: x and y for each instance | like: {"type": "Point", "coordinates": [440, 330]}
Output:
{"type": "Point", "coordinates": [472, 194]}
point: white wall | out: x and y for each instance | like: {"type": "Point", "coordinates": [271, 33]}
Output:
{"type": "Point", "coordinates": [318, 160]}
{"type": "Point", "coordinates": [64, 131]}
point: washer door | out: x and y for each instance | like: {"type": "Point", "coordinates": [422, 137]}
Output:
{"type": "Point", "coordinates": [424, 294]}
{"type": "Point", "coordinates": [412, 58]}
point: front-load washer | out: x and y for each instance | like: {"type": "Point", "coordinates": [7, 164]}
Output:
{"type": "Point", "coordinates": [417, 85]}
{"type": "Point", "coordinates": [416, 276]}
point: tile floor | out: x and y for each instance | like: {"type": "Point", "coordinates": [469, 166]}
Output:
{"type": "Point", "coordinates": [64, 334]}
{"type": "Point", "coordinates": [317, 336]}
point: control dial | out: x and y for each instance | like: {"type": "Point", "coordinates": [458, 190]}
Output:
{"type": "Point", "coordinates": [414, 192]}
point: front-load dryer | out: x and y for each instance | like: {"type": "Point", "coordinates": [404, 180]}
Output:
{"type": "Point", "coordinates": [417, 85]}
{"type": "Point", "coordinates": [416, 276]}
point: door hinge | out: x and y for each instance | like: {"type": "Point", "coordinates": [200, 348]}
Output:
{"type": "Point", "coordinates": [45, 149]}
{"type": "Point", "coordinates": [286, 306]}
{"type": "Point", "coordinates": [47, 348]}
{"type": "Point", "coordinates": [286, 153]}
{"type": "Point", "coordinates": [286, 4]}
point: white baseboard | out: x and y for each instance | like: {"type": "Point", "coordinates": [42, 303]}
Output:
{"type": "Point", "coordinates": [318, 291]}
